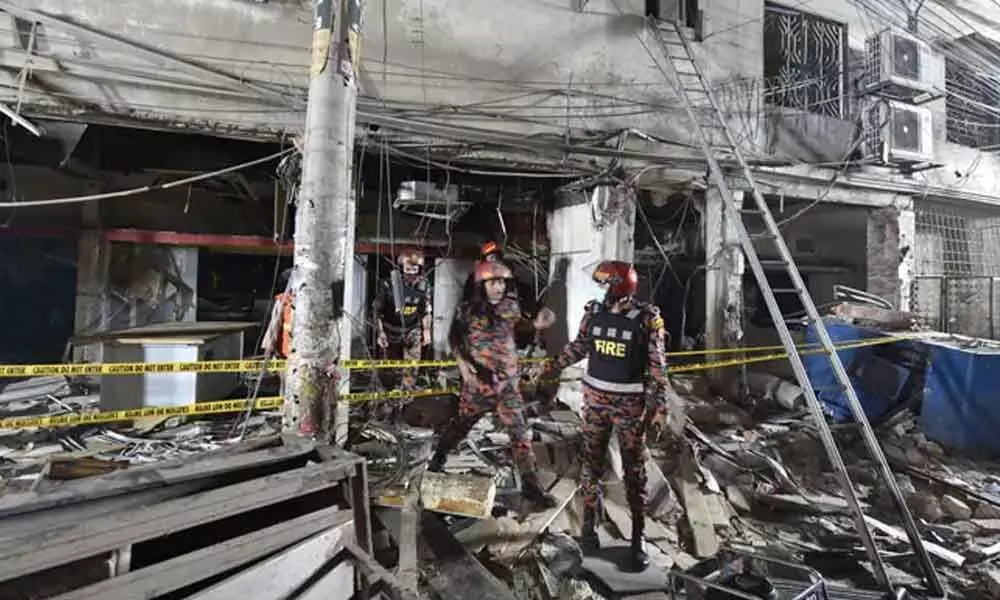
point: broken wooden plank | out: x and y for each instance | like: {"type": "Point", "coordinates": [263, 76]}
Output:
{"type": "Point", "coordinates": [145, 477]}
{"type": "Point", "coordinates": [64, 516]}
{"type": "Point", "coordinates": [43, 549]}
{"type": "Point", "coordinates": [407, 569]}
{"type": "Point", "coordinates": [536, 522]}
{"type": "Point", "coordinates": [818, 503]}
{"type": "Point", "coordinates": [504, 536]}
{"type": "Point", "coordinates": [283, 574]}
{"type": "Point", "coordinates": [176, 573]}
{"type": "Point", "coordinates": [450, 571]}
{"type": "Point", "coordinates": [897, 534]}
{"type": "Point", "coordinates": [455, 494]}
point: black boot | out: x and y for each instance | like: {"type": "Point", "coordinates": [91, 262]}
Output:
{"type": "Point", "coordinates": [589, 542]}
{"type": "Point", "coordinates": [532, 491]}
{"type": "Point", "coordinates": [638, 558]}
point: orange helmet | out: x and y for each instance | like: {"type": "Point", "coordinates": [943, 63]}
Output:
{"type": "Point", "coordinates": [489, 251]}
{"type": "Point", "coordinates": [620, 277]}
{"type": "Point", "coordinates": [486, 270]}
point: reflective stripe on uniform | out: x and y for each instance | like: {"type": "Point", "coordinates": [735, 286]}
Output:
{"type": "Point", "coordinates": [613, 387]}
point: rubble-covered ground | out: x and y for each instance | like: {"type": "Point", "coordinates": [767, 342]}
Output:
{"type": "Point", "coordinates": [752, 479]}
{"type": "Point", "coordinates": [748, 478]}
{"type": "Point", "coordinates": [31, 457]}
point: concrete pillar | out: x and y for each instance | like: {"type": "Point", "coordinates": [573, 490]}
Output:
{"type": "Point", "coordinates": [889, 264]}
{"type": "Point", "coordinates": [449, 278]}
{"type": "Point", "coordinates": [91, 313]}
{"type": "Point", "coordinates": [578, 242]}
{"type": "Point", "coordinates": [724, 268]}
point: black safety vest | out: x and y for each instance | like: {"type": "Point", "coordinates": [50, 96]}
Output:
{"type": "Point", "coordinates": [413, 310]}
{"type": "Point", "coordinates": [619, 350]}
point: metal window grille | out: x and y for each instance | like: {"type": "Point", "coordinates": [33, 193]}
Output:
{"type": "Point", "coordinates": [957, 269]}
{"type": "Point", "coordinates": [804, 58]}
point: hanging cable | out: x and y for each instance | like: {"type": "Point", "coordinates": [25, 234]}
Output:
{"type": "Point", "coordinates": [146, 188]}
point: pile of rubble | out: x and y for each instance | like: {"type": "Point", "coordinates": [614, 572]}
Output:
{"type": "Point", "coordinates": [753, 480]}
{"type": "Point", "coordinates": [30, 456]}
{"type": "Point", "coordinates": [750, 479]}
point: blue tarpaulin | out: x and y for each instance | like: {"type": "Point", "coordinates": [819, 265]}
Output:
{"type": "Point", "coordinates": [961, 406]}
{"type": "Point", "coordinates": [877, 382]}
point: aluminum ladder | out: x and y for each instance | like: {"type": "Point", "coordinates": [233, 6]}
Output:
{"type": "Point", "coordinates": [683, 73]}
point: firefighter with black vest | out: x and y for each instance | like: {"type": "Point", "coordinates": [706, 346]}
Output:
{"type": "Point", "coordinates": [402, 312]}
{"type": "Point", "coordinates": [623, 340]}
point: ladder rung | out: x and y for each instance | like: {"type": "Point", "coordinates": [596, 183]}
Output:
{"type": "Point", "coordinates": [829, 388]}
{"type": "Point", "coordinates": [774, 262]}
{"type": "Point", "coordinates": [699, 90]}
{"type": "Point", "coordinates": [763, 235]}
{"type": "Point", "coordinates": [786, 290]}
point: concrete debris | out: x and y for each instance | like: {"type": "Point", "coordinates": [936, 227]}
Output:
{"type": "Point", "coordinates": [955, 508]}
{"type": "Point", "coordinates": [755, 480]}
{"type": "Point", "coordinates": [34, 458]}
{"type": "Point", "coordinates": [752, 479]}
{"type": "Point", "coordinates": [458, 494]}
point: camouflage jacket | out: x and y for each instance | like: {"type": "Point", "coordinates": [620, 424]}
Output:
{"type": "Point", "coordinates": [484, 333]}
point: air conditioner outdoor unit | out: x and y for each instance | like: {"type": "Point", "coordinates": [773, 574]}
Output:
{"type": "Point", "coordinates": [899, 66]}
{"type": "Point", "coordinates": [896, 133]}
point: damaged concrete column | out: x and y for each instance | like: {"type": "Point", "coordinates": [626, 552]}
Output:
{"type": "Point", "coordinates": [890, 234]}
{"type": "Point", "coordinates": [449, 278]}
{"type": "Point", "coordinates": [724, 268]}
{"type": "Point", "coordinates": [584, 229]}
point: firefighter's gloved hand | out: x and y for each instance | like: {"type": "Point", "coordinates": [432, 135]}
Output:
{"type": "Point", "coordinates": [383, 340]}
{"type": "Point", "coordinates": [545, 319]}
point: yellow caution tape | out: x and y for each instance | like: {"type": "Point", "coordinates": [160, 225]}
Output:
{"type": "Point", "coordinates": [245, 366]}
{"type": "Point", "coordinates": [202, 408]}
{"type": "Point", "coordinates": [141, 368]}
{"type": "Point", "coordinates": [229, 406]}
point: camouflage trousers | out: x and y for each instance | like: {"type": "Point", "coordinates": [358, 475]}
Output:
{"type": "Point", "coordinates": [603, 413]}
{"type": "Point", "coordinates": [477, 399]}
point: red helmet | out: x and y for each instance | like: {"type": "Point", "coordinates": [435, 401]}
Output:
{"type": "Point", "coordinates": [486, 270]}
{"type": "Point", "coordinates": [620, 277]}
{"type": "Point", "coordinates": [411, 261]}
{"type": "Point", "coordinates": [489, 250]}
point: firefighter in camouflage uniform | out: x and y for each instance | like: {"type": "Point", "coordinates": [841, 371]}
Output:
{"type": "Point", "coordinates": [482, 336]}
{"type": "Point", "coordinates": [404, 331]}
{"type": "Point", "coordinates": [623, 340]}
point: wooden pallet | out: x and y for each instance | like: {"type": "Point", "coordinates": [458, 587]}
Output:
{"type": "Point", "coordinates": [298, 530]}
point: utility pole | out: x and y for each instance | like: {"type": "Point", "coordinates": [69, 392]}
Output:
{"type": "Point", "coordinates": [324, 236]}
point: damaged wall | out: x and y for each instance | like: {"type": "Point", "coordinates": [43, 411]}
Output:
{"type": "Point", "coordinates": [427, 51]}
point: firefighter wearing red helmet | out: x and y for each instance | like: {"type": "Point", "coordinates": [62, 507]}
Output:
{"type": "Point", "coordinates": [482, 337]}
{"type": "Point", "coordinates": [623, 340]}
{"type": "Point", "coordinates": [403, 331]}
